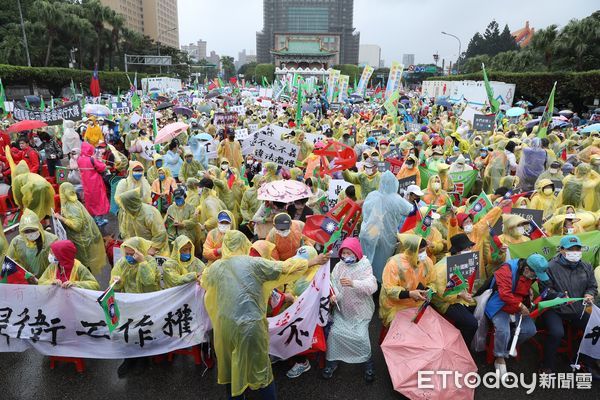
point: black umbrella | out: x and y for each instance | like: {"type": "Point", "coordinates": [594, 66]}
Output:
{"type": "Point", "coordinates": [164, 106]}
{"type": "Point", "coordinates": [33, 100]}
{"type": "Point", "coordinates": [597, 111]}
{"type": "Point", "coordinates": [540, 110]}
{"type": "Point", "coordinates": [213, 93]}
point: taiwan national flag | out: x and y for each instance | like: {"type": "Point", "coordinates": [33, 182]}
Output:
{"type": "Point", "coordinates": [13, 273]}
{"type": "Point", "coordinates": [111, 310]}
{"type": "Point", "coordinates": [320, 228]}
{"type": "Point", "coordinates": [95, 83]}
{"type": "Point", "coordinates": [480, 207]}
{"type": "Point", "coordinates": [411, 220]}
{"type": "Point", "coordinates": [456, 284]}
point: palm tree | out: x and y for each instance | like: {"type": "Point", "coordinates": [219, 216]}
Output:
{"type": "Point", "coordinates": [544, 42]}
{"type": "Point", "coordinates": [52, 15]}
{"type": "Point", "coordinates": [97, 14]}
{"type": "Point", "coordinates": [579, 38]}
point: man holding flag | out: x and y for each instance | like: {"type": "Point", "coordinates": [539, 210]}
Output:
{"type": "Point", "coordinates": [572, 277]}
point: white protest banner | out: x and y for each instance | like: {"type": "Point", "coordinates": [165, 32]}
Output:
{"type": "Point", "coordinates": [324, 127]}
{"type": "Point", "coordinates": [590, 342]}
{"type": "Point", "coordinates": [265, 92]}
{"type": "Point", "coordinates": [266, 103]}
{"type": "Point", "coordinates": [225, 118]}
{"type": "Point", "coordinates": [135, 118]}
{"type": "Point", "coordinates": [211, 149]}
{"type": "Point", "coordinates": [241, 134]}
{"type": "Point", "coordinates": [273, 131]}
{"type": "Point", "coordinates": [292, 331]}
{"type": "Point", "coordinates": [343, 88]}
{"type": "Point", "coordinates": [71, 323]}
{"type": "Point", "coordinates": [468, 114]}
{"type": "Point", "coordinates": [120, 107]}
{"type": "Point", "coordinates": [314, 137]}
{"type": "Point", "coordinates": [252, 127]}
{"type": "Point", "coordinates": [332, 81]}
{"type": "Point", "coordinates": [364, 79]}
{"type": "Point", "coordinates": [336, 186]}
{"type": "Point", "coordinates": [268, 149]}
{"type": "Point", "coordinates": [59, 229]}
{"type": "Point", "coordinates": [238, 109]}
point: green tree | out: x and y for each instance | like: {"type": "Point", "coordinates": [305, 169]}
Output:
{"type": "Point", "coordinates": [52, 16]}
{"type": "Point", "coordinates": [228, 66]}
{"type": "Point", "coordinates": [264, 70]}
{"type": "Point", "coordinates": [248, 70]}
{"type": "Point", "coordinates": [543, 42]}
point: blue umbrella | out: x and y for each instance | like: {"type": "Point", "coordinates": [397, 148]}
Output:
{"type": "Point", "coordinates": [591, 128]}
{"type": "Point", "coordinates": [523, 103]}
{"type": "Point", "coordinates": [515, 112]}
{"type": "Point", "coordinates": [204, 136]}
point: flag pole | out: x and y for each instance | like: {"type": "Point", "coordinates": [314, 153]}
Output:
{"type": "Point", "coordinates": [536, 225]}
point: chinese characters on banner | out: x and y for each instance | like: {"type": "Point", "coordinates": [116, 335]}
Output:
{"type": "Point", "coordinates": [224, 119]}
{"type": "Point", "coordinates": [291, 332]}
{"type": "Point", "coordinates": [56, 116]}
{"type": "Point", "coordinates": [70, 323]}
{"type": "Point", "coordinates": [268, 149]}
{"type": "Point", "coordinates": [364, 79]}
{"type": "Point", "coordinates": [336, 186]}
{"type": "Point", "coordinates": [468, 263]}
{"type": "Point", "coordinates": [393, 82]}
{"type": "Point", "coordinates": [590, 344]}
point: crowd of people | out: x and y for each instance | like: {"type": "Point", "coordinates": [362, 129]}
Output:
{"type": "Point", "coordinates": [197, 209]}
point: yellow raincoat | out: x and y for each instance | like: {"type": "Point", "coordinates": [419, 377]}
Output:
{"type": "Point", "coordinates": [183, 215]}
{"type": "Point", "coordinates": [143, 220]}
{"type": "Point", "coordinates": [33, 256]}
{"type": "Point", "coordinates": [177, 272]}
{"type": "Point", "coordinates": [141, 277]}
{"type": "Point", "coordinates": [509, 230]}
{"type": "Point", "coordinates": [237, 290]}
{"type": "Point", "coordinates": [249, 204]}
{"type": "Point", "coordinates": [209, 208]}
{"type": "Point", "coordinates": [80, 276]}
{"type": "Point", "coordinates": [288, 246]}
{"type": "Point", "coordinates": [189, 169]}
{"type": "Point", "coordinates": [152, 173]}
{"type": "Point", "coordinates": [367, 183]}
{"type": "Point", "coordinates": [129, 183]}
{"type": "Point", "coordinates": [214, 240]}
{"type": "Point", "coordinates": [541, 200]}
{"type": "Point", "coordinates": [582, 189]}
{"type": "Point", "coordinates": [193, 198]}
{"type": "Point", "coordinates": [83, 232]}
{"type": "Point", "coordinates": [31, 191]}
{"type": "Point", "coordinates": [232, 151]}
{"type": "Point", "coordinates": [3, 243]}
{"type": "Point", "coordinates": [93, 134]}
{"type": "Point", "coordinates": [434, 197]}
{"type": "Point", "coordinates": [403, 272]}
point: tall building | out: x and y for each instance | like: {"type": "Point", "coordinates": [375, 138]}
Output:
{"type": "Point", "coordinates": [154, 18]}
{"type": "Point", "coordinates": [214, 58]}
{"type": "Point", "coordinates": [369, 54]}
{"type": "Point", "coordinates": [196, 51]}
{"type": "Point", "coordinates": [408, 59]}
{"type": "Point", "coordinates": [244, 58]}
{"type": "Point", "coordinates": [331, 18]}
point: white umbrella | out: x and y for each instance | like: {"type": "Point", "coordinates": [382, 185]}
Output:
{"type": "Point", "coordinates": [98, 110]}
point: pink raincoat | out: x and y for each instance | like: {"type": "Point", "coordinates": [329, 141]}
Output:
{"type": "Point", "coordinates": [94, 190]}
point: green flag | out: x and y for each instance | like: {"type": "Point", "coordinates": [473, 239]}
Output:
{"type": "Point", "coordinates": [542, 305]}
{"type": "Point", "coordinates": [42, 104]}
{"type": "Point", "coordinates": [108, 303]}
{"type": "Point", "coordinates": [390, 104]}
{"type": "Point", "coordinates": [423, 227]}
{"type": "Point", "coordinates": [154, 125]}
{"type": "Point", "coordinates": [494, 104]}
{"type": "Point", "coordinates": [73, 90]}
{"type": "Point", "coordinates": [2, 98]}
{"type": "Point", "coordinates": [221, 84]}
{"type": "Point", "coordinates": [299, 101]}
{"type": "Point", "coordinates": [27, 106]}
{"type": "Point", "coordinates": [481, 206]}
{"type": "Point", "coordinates": [135, 101]}
{"type": "Point", "coordinates": [456, 284]}
{"type": "Point", "coordinates": [335, 236]}
{"type": "Point", "coordinates": [463, 181]}
{"type": "Point", "coordinates": [547, 115]}
{"type": "Point", "coordinates": [548, 247]}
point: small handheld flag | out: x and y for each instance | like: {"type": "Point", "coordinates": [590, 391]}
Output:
{"type": "Point", "coordinates": [108, 302]}
{"type": "Point", "coordinates": [456, 284]}
{"type": "Point", "coordinates": [423, 306]}
{"type": "Point", "coordinates": [13, 273]}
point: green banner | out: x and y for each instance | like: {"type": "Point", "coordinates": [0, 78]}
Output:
{"type": "Point", "coordinates": [463, 181]}
{"type": "Point", "coordinates": [548, 247]}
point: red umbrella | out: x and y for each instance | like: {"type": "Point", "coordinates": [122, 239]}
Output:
{"type": "Point", "coordinates": [26, 125]}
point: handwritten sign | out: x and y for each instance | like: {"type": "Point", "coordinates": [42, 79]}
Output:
{"type": "Point", "coordinates": [483, 123]}
{"type": "Point", "coordinates": [268, 149]}
{"type": "Point", "coordinates": [468, 263]}
{"type": "Point", "coordinates": [404, 183]}
{"type": "Point", "coordinates": [336, 186]}
{"type": "Point", "coordinates": [71, 111]}
{"type": "Point", "coordinates": [223, 119]}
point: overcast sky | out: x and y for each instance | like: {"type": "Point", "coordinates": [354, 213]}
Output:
{"type": "Point", "coordinates": [398, 26]}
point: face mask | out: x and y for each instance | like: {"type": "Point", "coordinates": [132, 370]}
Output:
{"type": "Point", "coordinates": [224, 227]}
{"type": "Point", "coordinates": [224, 167]}
{"type": "Point", "coordinates": [285, 233]}
{"type": "Point", "coordinates": [548, 191]}
{"type": "Point", "coordinates": [483, 154]}
{"type": "Point", "coordinates": [553, 170]}
{"type": "Point", "coordinates": [573, 256]}
{"type": "Point", "coordinates": [185, 257]}
{"type": "Point", "coordinates": [137, 175]}
{"type": "Point", "coordinates": [188, 160]}
{"type": "Point", "coordinates": [179, 201]}
{"type": "Point", "coordinates": [130, 259]}
{"type": "Point", "coordinates": [468, 228]}
{"type": "Point", "coordinates": [32, 237]}
{"type": "Point", "coordinates": [423, 256]}
{"type": "Point", "coordinates": [410, 166]}
{"type": "Point", "coordinates": [349, 260]}
{"type": "Point", "coordinates": [436, 186]}
{"type": "Point", "coordinates": [570, 231]}
{"type": "Point", "coordinates": [161, 177]}
{"type": "Point", "coordinates": [200, 191]}
{"type": "Point", "coordinates": [52, 259]}
{"type": "Point", "coordinates": [159, 164]}
{"type": "Point", "coordinates": [370, 171]}
{"type": "Point", "coordinates": [521, 230]}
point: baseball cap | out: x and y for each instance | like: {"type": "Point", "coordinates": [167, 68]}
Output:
{"type": "Point", "coordinates": [539, 265]}
{"type": "Point", "coordinates": [178, 193]}
{"type": "Point", "coordinates": [570, 241]}
{"type": "Point", "coordinates": [282, 222]}
{"type": "Point", "coordinates": [223, 216]}
{"type": "Point", "coordinates": [414, 189]}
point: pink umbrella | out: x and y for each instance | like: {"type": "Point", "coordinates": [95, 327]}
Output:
{"type": "Point", "coordinates": [170, 132]}
{"type": "Point", "coordinates": [433, 344]}
{"type": "Point", "coordinates": [285, 191]}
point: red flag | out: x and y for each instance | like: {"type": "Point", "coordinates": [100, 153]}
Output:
{"type": "Point", "coordinates": [411, 220]}
{"type": "Point", "coordinates": [563, 155]}
{"type": "Point", "coordinates": [95, 83]}
{"type": "Point", "coordinates": [536, 232]}
{"type": "Point", "coordinates": [319, 228]}
{"type": "Point", "coordinates": [471, 282]}
{"type": "Point", "coordinates": [230, 179]}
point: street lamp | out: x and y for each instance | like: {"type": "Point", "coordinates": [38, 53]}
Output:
{"type": "Point", "coordinates": [160, 33]}
{"type": "Point", "coordinates": [459, 48]}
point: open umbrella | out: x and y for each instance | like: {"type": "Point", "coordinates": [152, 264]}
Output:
{"type": "Point", "coordinates": [566, 113]}
{"type": "Point", "coordinates": [204, 137]}
{"type": "Point", "coordinates": [433, 344]}
{"type": "Point", "coordinates": [587, 129]}
{"type": "Point", "coordinates": [540, 110]}
{"type": "Point", "coordinates": [213, 93]}
{"type": "Point", "coordinates": [98, 110]}
{"type": "Point", "coordinates": [26, 125]}
{"type": "Point", "coordinates": [597, 111]}
{"type": "Point", "coordinates": [183, 111]}
{"type": "Point", "coordinates": [164, 106]}
{"type": "Point", "coordinates": [170, 132]}
{"type": "Point", "coordinates": [285, 191]}
{"type": "Point", "coordinates": [523, 103]}
{"type": "Point", "coordinates": [515, 112]}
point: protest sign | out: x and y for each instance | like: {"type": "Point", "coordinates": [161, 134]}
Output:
{"type": "Point", "coordinates": [273, 131]}
{"type": "Point", "coordinates": [62, 174]}
{"type": "Point", "coordinates": [412, 126]}
{"type": "Point", "coordinates": [364, 79]}
{"type": "Point", "coordinates": [292, 331]}
{"type": "Point", "coordinates": [120, 107]}
{"type": "Point", "coordinates": [70, 323]}
{"type": "Point", "coordinates": [335, 106]}
{"type": "Point", "coordinates": [324, 127]}
{"type": "Point", "coordinates": [241, 134]}
{"type": "Point", "coordinates": [238, 109]}
{"type": "Point", "coordinates": [268, 149]}
{"type": "Point", "coordinates": [224, 119]}
{"type": "Point", "coordinates": [59, 229]}
{"type": "Point", "coordinates": [55, 116]}
{"type": "Point", "coordinates": [589, 343]}
{"type": "Point", "coordinates": [463, 181]}
{"type": "Point", "coordinates": [252, 127]}
{"type": "Point", "coordinates": [483, 123]}
{"type": "Point", "coordinates": [394, 78]}
{"type": "Point", "coordinates": [314, 138]}
{"type": "Point", "coordinates": [404, 183]}
{"type": "Point", "coordinates": [467, 263]}
{"type": "Point", "coordinates": [549, 246]}
{"type": "Point", "coordinates": [336, 186]}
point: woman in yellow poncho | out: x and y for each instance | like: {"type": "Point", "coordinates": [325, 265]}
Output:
{"type": "Point", "coordinates": [93, 134]}
{"type": "Point", "coordinates": [66, 270]}
{"type": "Point", "coordinates": [182, 267]}
{"type": "Point", "coordinates": [513, 229]}
{"type": "Point", "coordinates": [32, 191]}
{"type": "Point", "coordinates": [543, 198]}
{"type": "Point", "coordinates": [83, 232]}
{"type": "Point", "coordinates": [237, 289]}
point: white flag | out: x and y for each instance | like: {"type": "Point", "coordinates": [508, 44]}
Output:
{"type": "Point", "coordinates": [590, 343]}
{"type": "Point", "coordinates": [291, 332]}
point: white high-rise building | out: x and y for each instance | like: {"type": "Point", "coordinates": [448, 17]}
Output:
{"type": "Point", "coordinates": [369, 54]}
{"type": "Point", "coordinates": [408, 59]}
